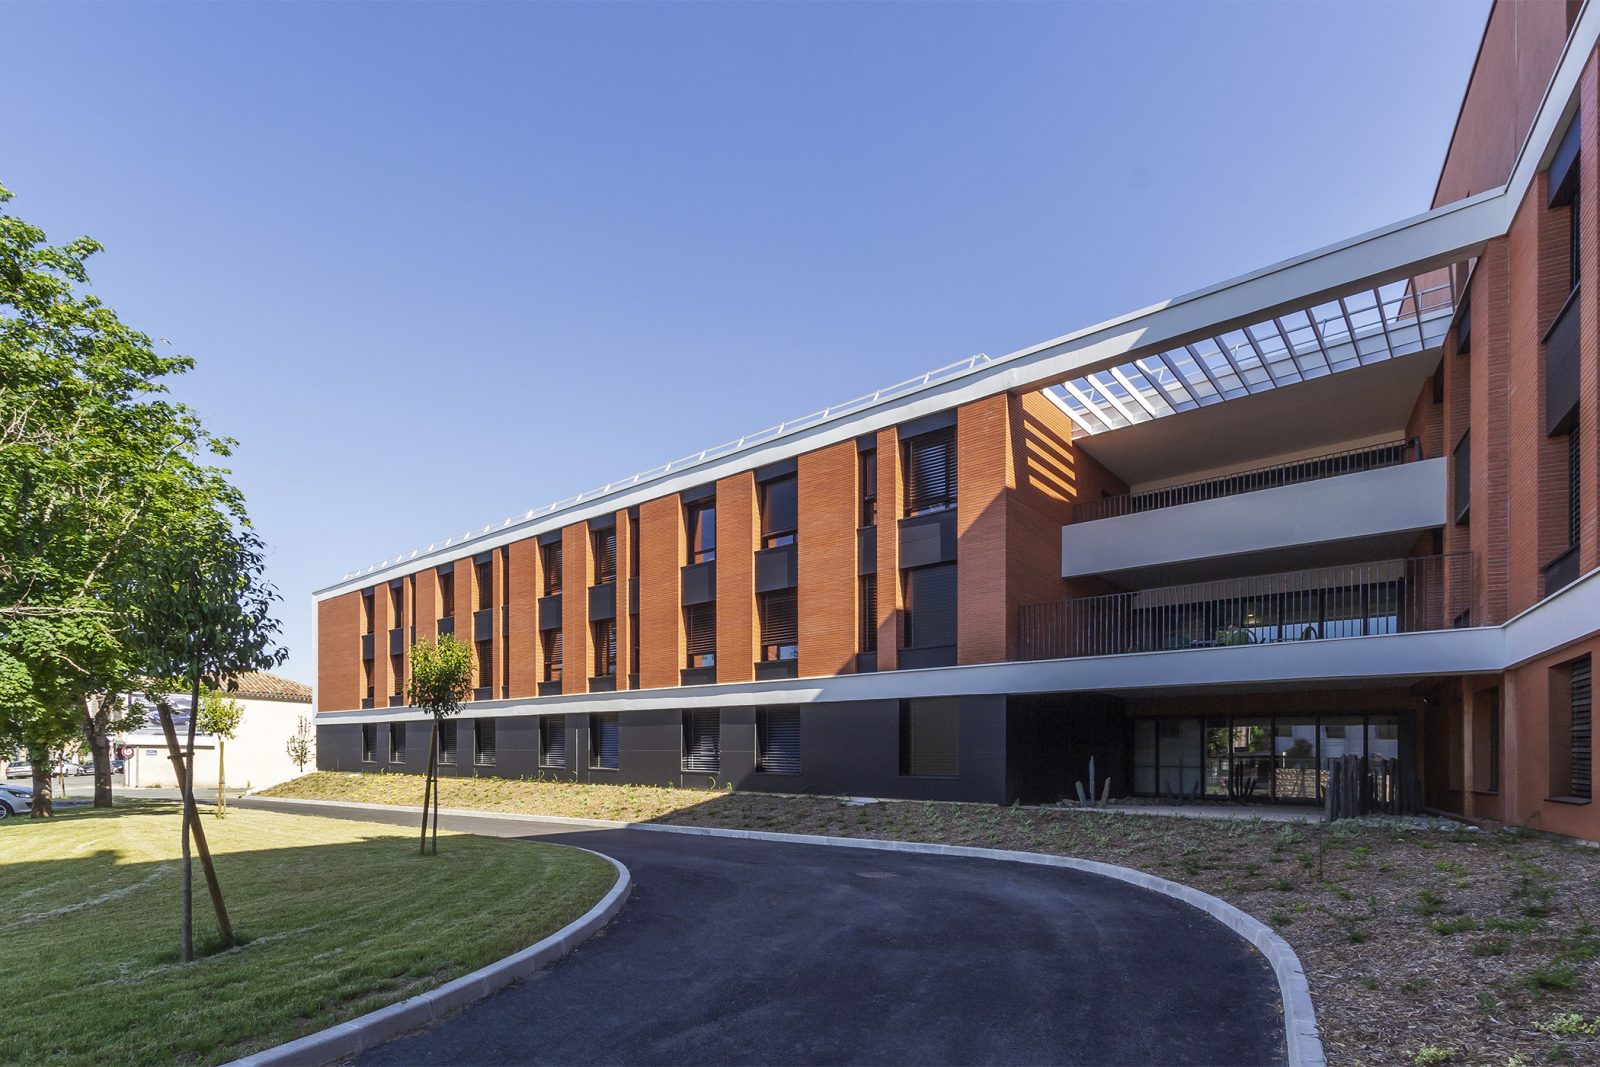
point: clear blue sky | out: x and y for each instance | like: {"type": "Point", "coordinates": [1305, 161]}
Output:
{"type": "Point", "coordinates": [409, 244]}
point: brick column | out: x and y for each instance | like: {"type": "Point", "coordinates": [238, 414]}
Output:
{"type": "Point", "coordinates": [425, 587]}
{"type": "Point", "coordinates": [577, 655]}
{"type": "Point", "coordinates": [1489, 528]}
{"type": "Point", "coordinates": [828, 590]}
{"type": "Point", "coordinates": [624, 621]}
{"type": "Point", "coordinates": [890, 503]}
{"type": "Point", "coordinates": [661, 556]}
{"type": "Point", "coordinates": [984, 478]}
{"type": "Point", "coordinates": [522, 632]}
{"type": "Point", "coordinates": [1589, 326]}
{"type": "Point", "coordinates": [339, 652]}
{"type": "Point", "coordinates": [738, 535]}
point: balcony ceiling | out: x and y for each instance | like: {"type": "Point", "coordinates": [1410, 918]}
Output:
{"type": "Point", "coordinates": [1323, 414]}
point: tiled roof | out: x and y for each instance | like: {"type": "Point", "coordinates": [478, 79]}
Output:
{"type": "Point", "coordinates": [264, 686]}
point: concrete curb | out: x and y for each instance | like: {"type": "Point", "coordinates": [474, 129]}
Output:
{"type": "Point", "coordinates": [1302, 1042]}
{"type": "Point", "coordinates": [355, 1036]}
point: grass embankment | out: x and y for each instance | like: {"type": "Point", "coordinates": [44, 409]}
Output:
{"type": "Point", "coordinates": [1457, 947]}
{"type": "Point", "coordinates": [339, 918]}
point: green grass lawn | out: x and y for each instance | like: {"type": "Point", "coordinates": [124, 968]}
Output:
{"type": "Point", "coordinates": [339, 918]}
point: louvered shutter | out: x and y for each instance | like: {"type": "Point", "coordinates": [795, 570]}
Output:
{"type": "Point", "coordinates": [930, 472]}
{"type": "Point", "coordinates": [552, 655]}
{"type": "Point", "coordinates": [553, 741]}
{"type": "Point", "coordinates": [930, 738]}
{"type": "Point", "coordinates": [604, 741]}
{"type": "Point", "coordinates": [1582, 730]}
{"type": "Point", "coordinates": [700, 626]}
{"type": "Point", "coordinates": [702, 741]}
{"type": "Point", "coordinates": [778, 619]}
{"type": "Point", "coordinates": [931, 606]}
{"type": "Point", "coordinates": [397, 742]}
{"type": "Point", "coordinates": [605, 556]}
{"type": "Point", "coordinates": [369, 743]}
{"type": "Point", "coordinates": [869, 613]}
{"type": "Point", "coordinates": [483, 742]}
{"type": "Point", "coordinates": [778, 740]}
{"type": "Point", "coordinates": [447, 742]}
{"type": "Point", "coordinates": [605, 648]}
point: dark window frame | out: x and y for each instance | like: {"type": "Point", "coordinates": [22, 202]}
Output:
{"type": "Point", "coordinates": [550, 642]}
{"type": "Point", "coordinates": [930, 472]}
{"type": "Point", "coordinates": [397, 731]}
{"type": "Point", "coordinates": [700, 749]}
{"type": "Point", "coordinates": [599, 758]}
{"type": "Point", "coordinates": [867, 474]}
{"type": "Point", "coordinates": [700, 634]}
{"type": "Point", "coordinates": [700, 530]}
{"type": "Point", "coordinates": [779, 502]}
{"type": "Point", "coordinates": [784, 726]}
{"type": "Point", "coordinates": [603, 635]}
{"type": "Point", "coordinates": [369, 743]}
{"type": "Point", "coordinates": [483, 730]}
{"type": "Point", "coordinates": [778, 615]}
{"type": "Point", "coordinates": [603, 548]}
{"type": "Point", "coordinates": [552, 727]}
{"type": "Point", "coordinates": [447, 743]}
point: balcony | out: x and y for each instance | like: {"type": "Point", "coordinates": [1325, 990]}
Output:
{"type": "Point", "coordinates": [1393, 596]}
{"type": "Point", "coordinates": [1331, 465]}
{"type": "Point", "coordinates": [1344, 497]}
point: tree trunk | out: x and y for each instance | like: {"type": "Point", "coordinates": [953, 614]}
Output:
{"type": "Point", "coordinates": [43, 798]}
{"type": "Point", "coordinates": [222, 782]}
{"type": "Point", "coordinates": [224, 925]}
{"type": "Point", "coordinates": [430, 788]}
{"type": "Point", "coordinates": [97, 734]}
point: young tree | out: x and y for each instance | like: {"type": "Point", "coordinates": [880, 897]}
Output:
{"type": "Point", "coordinates": [301, 744]}
{"type": "Point", "coordinates": [441, 678]}
{"type": "Point", "coordinates": [219, 717]}
{"type": "Point", "coordinates": [200, 611]}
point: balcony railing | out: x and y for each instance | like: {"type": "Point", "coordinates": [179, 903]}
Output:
{"type": "Point", "coordinates": [1392, 596]}
{"type": "Point", "coordinates": [1299, 470]}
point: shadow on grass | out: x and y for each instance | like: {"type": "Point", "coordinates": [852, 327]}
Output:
{"type": "Point", "coordinates": [334, 919]}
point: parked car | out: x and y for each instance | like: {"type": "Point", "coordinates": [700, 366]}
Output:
{"type": "Point", "coordinates": [14, 800]}
{"type": "Point", "coordinates": [23, 769]}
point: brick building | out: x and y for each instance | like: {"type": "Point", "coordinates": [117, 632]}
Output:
{"type": "Point", "coordinates": [1336, 513]}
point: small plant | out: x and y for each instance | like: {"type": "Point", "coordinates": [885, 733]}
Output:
{"type": "Point", "coordinates": [1431, 1055]}
{"type": "Point", "coordinates": [1429, 903]}
{"type": "Point", "coordinates": [1571, 1024]}
{"type": "Point", "coordinates": [1282, 884]}
{"type": "Point", "coordinates": [1487, 1001]}
{"type": "Point", "coordinates": [1491, 946]}
{"type": "Point", "coordinates": [1554, 978]}
{"type": "Point", "coordinates": [1413, 985]}
{"type": "Point", "coordinates": [1458, 925]}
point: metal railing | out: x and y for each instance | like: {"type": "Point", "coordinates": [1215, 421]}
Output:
{"type": "Point", "coordinates": [1364, 599]}
{"type": "Point", "coordinates": [1331, 465]}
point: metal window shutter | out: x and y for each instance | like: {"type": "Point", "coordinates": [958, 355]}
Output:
{"type": "Point", "coordinates": [605, 648]}
{"type": "Point", "coordinates": [931, 606]}
{"type": "Point", "coordinates": [447, 742]}
{"type": "Point", "coordinates": [869, 613]}
{"type": "Point", "coordinates": [778, 740]}
{"type": "Point", "coordinates": [483, 735]}
{"type": "Point", "coordinates": [930, 470]}
{"type": "Point", "coordinates": [604, 741]}
{"type": "Point", "coordinates": [553, 740]}
{"type": "Point", "coordinates": [700, 624]}
{"type": "Point", "coordinates": [1582, 730]}
{"type": "Point", "coordinates": [397, 742]}
{"type": "Point", "coordinates": [605, 563]}
{"type": "Point", "coordinates": [778, 618]}
{"type": "Point", "coordinates": [369, 743]}
{"type": "Point", "coordinates": [552, 648]}
{"type": "Point", "coordinates": [930, 738]}
{"type": "Point", "coordinates": [702, 741]}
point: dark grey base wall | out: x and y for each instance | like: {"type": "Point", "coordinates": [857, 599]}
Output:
{"type": "Point", "coordinates": [845, 748]}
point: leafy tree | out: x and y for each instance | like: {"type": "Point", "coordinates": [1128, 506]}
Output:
{"type": "Point", "coordinates": [300, 744]}
{"type": "Point", "coordinates": [200, 612]}
{"type": "Point", "coordinates": [441, 678]}
{"type": "Point", "coordinates": [90, 447]}
{"type": "Point", "coordinates": [220, 716]}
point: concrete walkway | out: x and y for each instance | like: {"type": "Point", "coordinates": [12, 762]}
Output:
{"type": "Point", "coordinates": [754, 952]}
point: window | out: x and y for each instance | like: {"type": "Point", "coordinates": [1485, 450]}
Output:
{"type": "Point", "coordinates": [1571, 731]}
{"type": "Point", "coordinates": [447, 594]}
{"type": "Point", "coordinates": [1486, 741]}
{"type": "Point", "coordinates": [551, 639]}
{"type": "Point", "coordinates": [366, 612]}
{"type": "Point", "coordinates": [483, 578]}
{"type": "Point", "coordinates": [869, 613]}
{"type": "Point", "coordinates": [700, 629]}
{"type": "Point", "coordinates": [604, 742]}
{"type": "Point", "coordinates": [930, 619]}
{"type": "Point", "coordinates": [780, 635]}
{"type": "Point", "coordinates": [396, 604]}
{"type": "Point", "coordinates": [397, 742]}
{"type": "Point", "coordinates": [483, 742]}
{"type": "Point", "coordinates": [366, 676]}
{"type": "Point", "coordinates": [550, 558]}
{"type": "Point", "coordinates": [633, 643]}
{"type": "Point", "coordinates": [369, 743]}
{"type": "Point", "coordinates": [778, 740]}
{"type": "Point", "coordinates": [605, 647]}
{"type": "Point", "coordinates": [447, 743]}
{"type": "Point", "coordinates": [553, 741]}
{"type": "Point", "coordinates": [1574, 499]}
{"type": "Point", "coordinates": [930, 738]}
{"type": "Point", "coordinates": [397, 672]}
{"type": "Point", "coordinates": [485, 653]}
{"type": "Point", "coordinates": [780, 511]}
{"type": "Point", "coordinates": [869, 487]}
{"type": "Point", "coordinates": [604, 543]}
{"type": "Point", "coordinates": [701, 522]}
{"type": "Point", "coordinates": [702, 742]}
{"type": "Point", "coordinates": [633, 545]}
{"type": "Point", "coordinates": [931, 472]}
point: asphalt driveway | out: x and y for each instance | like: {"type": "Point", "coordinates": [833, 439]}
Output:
{"type": "Point", "coordinates": [746, 952]}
